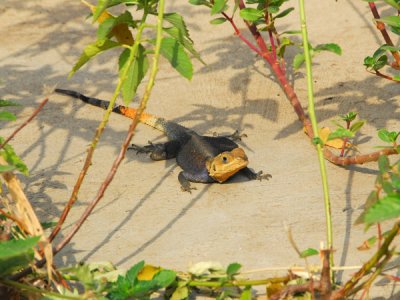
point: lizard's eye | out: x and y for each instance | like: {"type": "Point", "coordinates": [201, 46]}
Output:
{"type": "Point", "coordinates": [224, 159]}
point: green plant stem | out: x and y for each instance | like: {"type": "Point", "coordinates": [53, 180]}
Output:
{"type": "Point", "coordinates": [238, 282]}
{"type": "Point", "coordinates": [36, 290]}
{"type": "Point", "coordinates": [371, 263]}
{"type": "Point", "coordinates": [99, 131]}
{"type": "Point", "coordinates": [313, 118]}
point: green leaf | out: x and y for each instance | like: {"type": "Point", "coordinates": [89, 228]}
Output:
{"type": "Point", "coordinates": [100, 7]}
{"type": "Point", "coordinates": [177, 21]}
{"type": "Point", "coordinates": [218, 21]}
{"type": "Point", "coordinates": [180, 293]}
{"type": "Point", "coordinates": [380, 63]}
{"type": "Point", "coordinates": [7, 116]}
{"type": "Point", "coordinates": [340, 133]}
{"type": "Point", "coordinates": [105, 28]}
{"type": "Point", "coordinates": [132, 273]}
{"type": "Point", "coordinates": [218, 6]}
{"type": "Point", "coordinates": [282, 47]}
{"type": "Point", "coordinates": [291, 32]}
{"type": "Point", "coordinates": [13, 159]}
{"type": "Point", "coordinates": [308, 252]}
{"type": "Point", "coordinates": [251, 14]}
{"type": "Point", "coordinates": [371, 200]}
{"type": "Point", "coordinates": [272, 9]}
{"type": "Point", "coordinates": [172, 50]}
{"type": "Point", "coordinates": [331, 47]}
{"type": "Point", "coordinates": [16, 254]}
{"type": "Point", "coordinates": [246, 294]}
{"type": "Point", "coordinates": [385, 136]}
{"type": "Point", "coordinates": [136, 72]}
{"type": "Point", "coordinates": [349, 116]}
{"type": "Point", "coordinates": [199, 2]}
{"type": "Point", "coordinates": [92, 50]}
{"type": "Point", "coordinates": [164, 278]}
{"type": "Point", "coordinates": [396, 77]}
{"type": "Point", "coordinates": [384, 209]}
{"type": "Point", "coordinates": [4, 103]}
{"type": "Point", "coordinates": [233, 269]}
{"type": "Point", "coordinates": [284, 13]}
{"type": "Point", "coordinates": [384, 164]}
{"type": "Point", "coordinates": [393, 3]}
{"type": "Point", "coordinates": [6, 168]}
{"type": "Point", "coordinates": [390, 20]}
{"type": "Point", "coordinates": [357, 126]}
{"type": "Point", "coordinates": [298, 61]}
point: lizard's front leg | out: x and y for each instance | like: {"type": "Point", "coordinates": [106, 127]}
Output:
{"type": "Point", "coordinates": [255, 175]}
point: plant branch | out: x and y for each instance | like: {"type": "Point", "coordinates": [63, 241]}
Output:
{"type": "Point", "coordinates": [19, 222]}
{"type": "Point", "coordinates": [371, 263]}
{"type": "Point", "coordinates": [381, 27]}
{"type": "Point", "coordinates": [130, 134]}
{"type": "Point", "coordinates": [217, 284]}
{"type": "Point", "coordinates": [35, 112]}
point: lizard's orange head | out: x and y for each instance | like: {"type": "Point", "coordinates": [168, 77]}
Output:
{"type": "Point", "coordinates": [226, 164]}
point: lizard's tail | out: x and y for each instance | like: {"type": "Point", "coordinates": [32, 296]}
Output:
{"type": "Point", "coordinates": [129, 112]}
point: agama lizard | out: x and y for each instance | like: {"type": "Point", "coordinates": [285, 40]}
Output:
{"type": "Point", "coordinates": [203, 159]}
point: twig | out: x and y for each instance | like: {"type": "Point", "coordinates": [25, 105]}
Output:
{"type": "Point", "coordinates": [372, 262]}
{"type": "Point", "coordinates": [381, 27]}
{"type": "Point", "coordinates": [19, 222]}
{"type": "Point", "coordinates": [35, 112]}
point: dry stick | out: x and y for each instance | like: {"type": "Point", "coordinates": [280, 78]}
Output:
{"type": "Point", "coordinates": [381, 27]}
{"type": "Point", "coordinates": [372, 262]}
{"type": "Point", "coordinates": [294, 100]}
{"type": "Point", "coordinates": [36, 111]}
{"type": "Point", "coordinates": [19, 222]}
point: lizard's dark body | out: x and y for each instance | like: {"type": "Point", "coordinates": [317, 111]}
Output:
{"type": "Point", "coordinates": [194, 153]}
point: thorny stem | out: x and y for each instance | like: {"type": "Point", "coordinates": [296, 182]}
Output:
{"type": "Point", "coordinates": [310, 91]}
{"type": "Point", "coordinates": [371, 263]}
{"type": "Point", "coordinates": [382, 29]}
{"type": "Point", "coordinates": [279, 72]}
{"type": "Point", "coordinates": [36, 111]}
{"type": "Point", "coordinates": [96, 138]}
{"type": "Point", "coordinates": [132, 127]}
{"type": "Point", "coordinates": [240, 282]}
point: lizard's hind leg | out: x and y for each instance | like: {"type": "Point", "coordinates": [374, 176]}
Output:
{"type": "Point", "coordinates": [160, 151]}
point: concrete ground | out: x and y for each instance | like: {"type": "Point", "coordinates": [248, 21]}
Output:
{"type": "Point", "coordinates": [144, 215]}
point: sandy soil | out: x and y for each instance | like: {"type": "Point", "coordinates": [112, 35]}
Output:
{"type": "Point", "coordinates": [144, 215]}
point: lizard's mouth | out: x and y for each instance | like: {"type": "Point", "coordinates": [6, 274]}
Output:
{"type": "Point", "coordinates": [226, 164]}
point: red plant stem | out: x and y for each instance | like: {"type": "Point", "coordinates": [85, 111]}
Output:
{"type": "Point", "coordinates": [345, 140]}
{"type": "Point", "coordinates": [377, 73]}
{"type": "Point", "coordinates": [382, 29]}
{"type": "Point", "coordinates": [271, 37]}
{"type": "Point", "coordinates": [36, 111]}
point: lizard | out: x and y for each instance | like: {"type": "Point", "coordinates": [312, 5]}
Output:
{"type": "Point", "coordinates": [204, 159]}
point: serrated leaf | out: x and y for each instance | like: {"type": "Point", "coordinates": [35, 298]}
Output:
{"type": "Point", "coordinates": [218, 6]}
{"type": "Point", "coordinates": [7, 116]}
{"type": "Point", "coordinates": [92, 50]}
{"type": "Point", "coordinates": [177, 21]}
{"type": "Point", "coordinates": [16, 254]}
{"type": "Point", "coordinates": [218, 21]}
{"type": "Point", "coordinates": [340, 133]}
{"type": "Point", "coordinates": [233, 269]}
{"type": "Point", "coordinates": [172, 50]}
{"type": "Point", "coordinates": [136, 72]}
{"type": "Point", "coordinates": [357, 126]}
{"type": "Point", "coordinates": [284, 13]}
{"type": "Point", "coordinates": [100, 8]}
{"type": "Point", "coordinates": [251, 14]}
{"type": "Point", "coordinates": [4, 103]}
{"type": "Point", "coordinates": [298, 61]}
{"type": "Point", "coordinates": [385, 209]}
{"type": "Point", "coordinates": [308, 252]}
{"type": "Point", "coordinates": [331, 47]}
{"type": "Point", "coordinates": [390, 20]}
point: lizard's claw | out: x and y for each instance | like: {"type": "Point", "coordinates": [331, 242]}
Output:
{"type": "Point", "coordinates": [138, 149]}
{"type": "Point", "coordinates": [236, 136]}
{"type": "Point", "coordinates": [260, 176]}
{"type": "Point", "coordinates": [188, 188]}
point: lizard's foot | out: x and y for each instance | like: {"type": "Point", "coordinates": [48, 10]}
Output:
{"type": "Point", "coordinates": [260, 176]}
{"type": "Point", "coordinates": [236, 136]}
{"type": "Point", "coordinates": [255, 175]}
{"type": "Point", "coordinates": [188, 188]}
{"type": "Point", "coordinates": [141, 149]}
